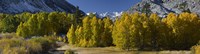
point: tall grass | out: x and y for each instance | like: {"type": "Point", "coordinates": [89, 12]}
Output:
{"type": "Point", "coordinates": [17, 45]}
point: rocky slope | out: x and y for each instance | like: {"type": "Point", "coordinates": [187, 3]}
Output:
{"type": "Point", "coordinates": [162, 7]}
{"type": "Point", "coordinates": [33, 6]}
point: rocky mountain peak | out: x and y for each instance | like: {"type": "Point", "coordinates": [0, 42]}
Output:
{"type": "Point", "coordinates": [163, 7]}
{"type": "Point", "coordinates": [19, 6]}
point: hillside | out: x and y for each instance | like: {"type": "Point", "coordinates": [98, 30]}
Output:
{"type": "Point", "coordinates": [162, 7]}
{"type": "Point", "coordinates": [33, 6]}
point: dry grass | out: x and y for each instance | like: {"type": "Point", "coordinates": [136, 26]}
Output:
{"type": "Point", "coordinates": [113, 50]}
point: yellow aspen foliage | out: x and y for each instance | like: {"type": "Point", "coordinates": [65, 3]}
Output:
{"type": "Point", "coordinates": [184, 30]}
{"type": "Point", "coordinates": [71, 35]}
{"type": "Point", "coordinates": [106, 35]}
{"type": "Point", "coordinates": [138, 31]}
{"type": "Point", "coordinates": [92, 33]}
{"type": "Point", "coordinates": [122, 34]}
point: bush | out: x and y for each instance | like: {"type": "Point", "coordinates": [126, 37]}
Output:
{"type": "Point", "coordinates": [69, 52]}
{"type": "Point", "coordinates": [8, 35]}
{"type": "Point", "coordinates": [17, 45]}
{"type": "Point", "coordinates": [195, 49]}
{"type": "Point", "coordinates": [47, 42]}
{"type": "Point", "coordinates": [60, 39]}
{"type": "Point", "coordinates": [33, 47]}
{"type": "Point", "coordinates": [15, 50]}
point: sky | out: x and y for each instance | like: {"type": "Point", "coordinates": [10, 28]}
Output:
{"type": "Point", "coordinates": [102, 6]}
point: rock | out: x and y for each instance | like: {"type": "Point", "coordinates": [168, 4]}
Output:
{"type": "Point", "coordinates": [163, 7]}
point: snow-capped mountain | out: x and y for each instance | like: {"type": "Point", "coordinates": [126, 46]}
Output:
{"type": "Point", "coordinates": [95, 13]}
{"type": "Point", "coordinates": [112, 15]}
{"type": "Point", "coordinates": [163, 7]}
{"type": "Point", "coordinates": [33, 6]}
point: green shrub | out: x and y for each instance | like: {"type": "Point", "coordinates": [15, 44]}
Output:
{"type": "Point", "coordinates": [15, 50]}
{"type": "Point", "coordinates": [19, 46]}
{"type": "Point", "coordinates": [9, 35]}
{"type": "Point", "coordinates": [33, 47]}
{"type": "Point", "coordinates": [60, 39]}
{"type": "Point", "coordinates": [47, 42]}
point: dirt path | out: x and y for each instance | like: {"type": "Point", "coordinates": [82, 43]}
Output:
{"type": "Point", "coordinates": [112, 50]}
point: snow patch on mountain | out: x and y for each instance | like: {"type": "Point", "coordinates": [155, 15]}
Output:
{"type": "Point", "coordinates": [111, 14]}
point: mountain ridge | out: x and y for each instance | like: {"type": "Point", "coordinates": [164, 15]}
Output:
{"type": "Point", "coordinates": [163, 7]}
{"type": "Point", "coordinates": [34, 6]}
